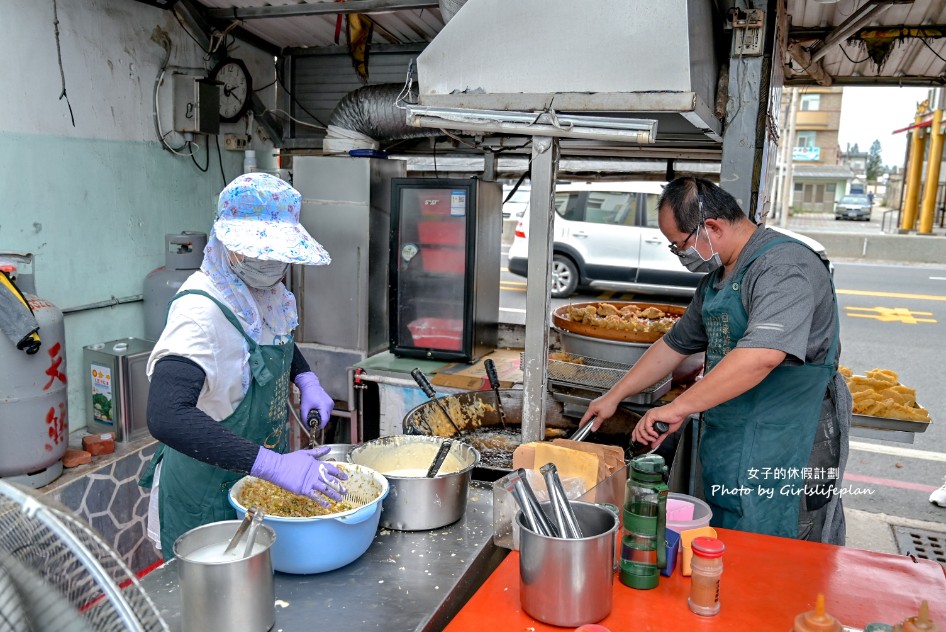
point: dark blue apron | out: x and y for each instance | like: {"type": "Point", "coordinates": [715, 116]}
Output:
{"type": "Point", "coordinates": [761, 440]}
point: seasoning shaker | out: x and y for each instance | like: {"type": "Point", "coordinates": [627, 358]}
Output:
{"type": "Point", "coordinates": [707, 566]}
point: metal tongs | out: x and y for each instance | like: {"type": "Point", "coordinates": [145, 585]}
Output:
{"type": "Point", "coordinates": [562, 511]}
{"type": "Point", "coordinates": [490, 367]}
{"type": "Point", "coordinates": [516, 483]}
{"type": "Point", "coordinates": [429, 391]}
{"type": "Point", "coordinates": [252, 519]}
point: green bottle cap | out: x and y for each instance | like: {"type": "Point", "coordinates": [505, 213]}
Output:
{"type": "Point", "coordinates": [648, 464]}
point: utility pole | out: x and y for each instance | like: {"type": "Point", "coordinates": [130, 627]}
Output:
{"type": "Point", "coordinates": [788, 186]}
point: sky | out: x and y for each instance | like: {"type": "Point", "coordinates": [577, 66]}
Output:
{"type": "Point", "coordinates": [872, 113]}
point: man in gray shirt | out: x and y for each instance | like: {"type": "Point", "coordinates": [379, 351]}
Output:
{"type": "Point", "coordinates": [773, 441]}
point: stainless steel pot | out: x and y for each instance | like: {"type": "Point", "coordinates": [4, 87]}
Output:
{"type": "Point", "coordinates": [417, 503]}
{"type": "Point", "coordinates": [235, 594]}
{"type": "Point", "coordinates": [568, 582]}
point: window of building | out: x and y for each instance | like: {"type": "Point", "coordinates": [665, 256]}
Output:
{"type": "Point", "coordinates": [810, 101]}
{"type": "Point", "coordinates": [805, 139]}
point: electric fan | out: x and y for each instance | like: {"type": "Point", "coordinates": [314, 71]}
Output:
{"type": "Point", "coordinates": [56, 573]}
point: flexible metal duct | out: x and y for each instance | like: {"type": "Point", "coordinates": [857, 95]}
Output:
{"type": "Point", "coordinates": [367, 116]}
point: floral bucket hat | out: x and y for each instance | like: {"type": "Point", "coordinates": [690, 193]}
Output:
{"type": "Point", "coordinates": [258, 216]}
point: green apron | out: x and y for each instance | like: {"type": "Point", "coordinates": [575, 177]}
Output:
{"type": "Point", "coordinates": [193, 493]}
{"type": "Point", "coordinates": [754, 447]}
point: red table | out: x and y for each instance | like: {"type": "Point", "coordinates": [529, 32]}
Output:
{"type": "Point", "coordinates": [766, 582]}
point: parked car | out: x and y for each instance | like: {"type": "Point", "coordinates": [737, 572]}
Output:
{"type": "Point", "coordinates": [606, 237]}
{"type": "Point", "coordinates": [516, 207]}
{"type": "Point", "coordinates": [854, 207]}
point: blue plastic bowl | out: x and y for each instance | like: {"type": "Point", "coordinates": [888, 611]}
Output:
{"type": "Point", "coordinates": [319, 544]}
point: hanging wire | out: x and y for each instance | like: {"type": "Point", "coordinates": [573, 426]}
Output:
{"type": "Point", "coordinates": [62, 73]}
{"type": "Point", "coordinates": [407, 91]}
{"type": "Point", "coordinates": [294, 119]}
{"type": "Point", "coordinates": [194, 153]}
{"type": "Point", "coordinates": [220, 159]}
{"type": "Point", "coordinates": [858, 61]}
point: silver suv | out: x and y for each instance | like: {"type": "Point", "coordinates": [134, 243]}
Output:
{"type": "Point", "coordinates": [606, 237]}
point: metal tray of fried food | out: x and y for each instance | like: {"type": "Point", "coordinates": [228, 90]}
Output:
{"type": "Point", "coordinates": [889, 423]}
{"type": "Point", "coordinates": [570, 370]}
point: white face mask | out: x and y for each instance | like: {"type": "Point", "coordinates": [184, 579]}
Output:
{"type": "Point", "coordinates": [694, 261]}
{"type": "Point", "coordinates": [259, 274]}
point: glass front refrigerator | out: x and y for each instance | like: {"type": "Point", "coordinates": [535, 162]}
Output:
{"type": "Point", "coordinates": [444, 275]}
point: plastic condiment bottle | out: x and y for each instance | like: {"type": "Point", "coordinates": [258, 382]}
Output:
{"type": "Point", "coordinates": [921, 622]}
{"type": "Point", "coordinates": [816, 620]}
{"type": "Point", "coordinates": [707, 567]}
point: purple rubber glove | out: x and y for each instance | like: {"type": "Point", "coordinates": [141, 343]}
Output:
{"type": "Point", "coordinates": [314, 396]}
{"type": "Point", "coordinates": [301, 472]}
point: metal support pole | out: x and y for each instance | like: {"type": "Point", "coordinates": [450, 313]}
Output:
{"type": "Point", "coordinates": [932, 175]}
{"type": "Point", "coordinates": [749, 148]}
{"type": "Point", "coordinates": [538, 302]}
{"type": "Point", "coordinates": [914, 173]}
{"type": "Point", "coordinates": [788, 184]}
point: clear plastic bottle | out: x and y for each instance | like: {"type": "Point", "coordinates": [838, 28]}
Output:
{"type": "Point", "coordinates": [249, 161]}
{"type": "Point", "coordinates": [643, 542]}
{"type": "Point", "coordinates": [707, 566]}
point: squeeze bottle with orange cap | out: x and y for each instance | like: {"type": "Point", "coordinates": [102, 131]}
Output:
{"type": "Point", "coordinates": [919, 623]}
{"type": "Point", "coordinates": [816, 620]}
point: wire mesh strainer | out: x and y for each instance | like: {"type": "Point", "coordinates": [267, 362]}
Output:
{"type": "Point", "coordinates": [61, 573]}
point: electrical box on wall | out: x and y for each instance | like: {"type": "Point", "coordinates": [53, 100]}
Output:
{"type": "Point", "coordinates": [196, 105]}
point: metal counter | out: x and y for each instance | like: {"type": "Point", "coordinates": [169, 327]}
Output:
{"type": "Point", "coordinates": [406, 581]}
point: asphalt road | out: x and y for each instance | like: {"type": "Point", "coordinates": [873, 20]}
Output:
{"type": "Point", "coordinates": [892, 317]}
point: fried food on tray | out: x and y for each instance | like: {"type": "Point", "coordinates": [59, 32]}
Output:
{"type": "Point", "coordinates": [628, 318]}
{"type": "Point", "coordinates": [845, 372]}
{"type": "Point", "coordinates": [880, 394]}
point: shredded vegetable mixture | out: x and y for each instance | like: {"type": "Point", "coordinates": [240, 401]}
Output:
{"type": "Point", "coordinates": [280, 502]}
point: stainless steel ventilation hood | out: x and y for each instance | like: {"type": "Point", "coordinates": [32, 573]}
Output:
{"type": "Point", "coordinates": [637, 58]}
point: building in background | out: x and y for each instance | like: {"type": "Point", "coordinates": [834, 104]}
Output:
{"type": "Point", "coordinates": [818, 176]}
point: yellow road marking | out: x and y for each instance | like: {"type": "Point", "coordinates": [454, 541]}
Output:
{"type": "Point", "coordinates": [891, 315]}
{"type": "Point", "coordinates": [921, 297]}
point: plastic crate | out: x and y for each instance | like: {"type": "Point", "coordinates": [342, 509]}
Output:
{"type": "Point", "coordinates": [443, 260]}
{"type": "Point", "coordinates": [437, 333]}
{"type": "Point", "coordinates": [443, 233]}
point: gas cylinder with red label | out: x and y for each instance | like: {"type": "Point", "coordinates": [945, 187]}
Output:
{"type": "Point", "coordinates": [34, 421]}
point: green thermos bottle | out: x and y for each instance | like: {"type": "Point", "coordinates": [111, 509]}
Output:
{"type": "Point", "coordinates": [643, 542]}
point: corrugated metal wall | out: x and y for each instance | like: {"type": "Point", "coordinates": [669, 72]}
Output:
{"type": "Point", "coordinates": [320, 81]}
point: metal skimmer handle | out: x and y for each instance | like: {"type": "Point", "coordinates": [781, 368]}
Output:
{"type": "Point", "coordinates": [585, 430]}
{"type": "Point", "coordinates": [494, 384]}
{"type": "Point", "coordinates": [429, 391]}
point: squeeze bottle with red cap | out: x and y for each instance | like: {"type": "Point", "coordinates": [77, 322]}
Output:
{"type": "Point", "coordinates": [816, 620]}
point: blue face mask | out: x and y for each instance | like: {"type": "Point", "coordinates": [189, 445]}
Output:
{"type": "Point", "coordinates": [258, 274]}
{"type": "Point", "coordinates": [694, 261]}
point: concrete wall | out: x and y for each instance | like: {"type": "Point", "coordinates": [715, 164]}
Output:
{"type": "Point", "coordinates": [881, 247]}
{"type": "Point", "coordinates": [93, 201]}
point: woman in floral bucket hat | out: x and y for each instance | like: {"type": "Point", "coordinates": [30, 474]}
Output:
{"type": "Point", "coordinates": [220, 371]}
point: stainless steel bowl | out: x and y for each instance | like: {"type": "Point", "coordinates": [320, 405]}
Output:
{"type": "Point", "coordinates": [613, 350]}
{"type": "Point", "coordinates": [417, 503]}
{"type": "Point", "coordinates": [338, 452]}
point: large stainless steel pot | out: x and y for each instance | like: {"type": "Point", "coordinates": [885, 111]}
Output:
{"type": "Point", "coordinates": [568, 582]}
{"type": "Point", "coordinates": [225, 594]}
{"type": "Point", "coordinates": [417, 503]}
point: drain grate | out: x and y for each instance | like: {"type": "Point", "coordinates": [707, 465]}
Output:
{"type": "Point", "coordinates": [929, 545]}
